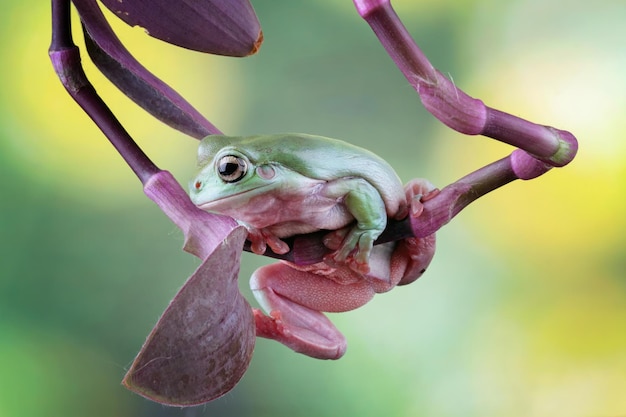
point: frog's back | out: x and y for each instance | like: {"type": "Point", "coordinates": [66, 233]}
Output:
{"type": "Point", "coordinates": [321, 158]}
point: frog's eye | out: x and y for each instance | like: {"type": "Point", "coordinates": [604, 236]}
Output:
{"type": "Point", "coordinates": [231, 168]}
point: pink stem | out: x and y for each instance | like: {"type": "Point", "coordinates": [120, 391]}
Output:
{"type": "Point", "coordinates": [65, 58]}
{"type": "Point", "coordinates": [452, 106]}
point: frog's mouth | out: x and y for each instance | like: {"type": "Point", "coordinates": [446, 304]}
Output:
{"type": "Point", "coordinates": [232, 201]}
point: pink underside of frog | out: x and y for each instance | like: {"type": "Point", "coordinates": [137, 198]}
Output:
{"type": "Point", "coordinates": [296, 296]}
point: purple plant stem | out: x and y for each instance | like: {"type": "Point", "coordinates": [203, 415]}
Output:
{"type": "Point", "coordinates": [159, 185]}
{"type": "Point", "coordinates": [66, 61]}
{"type": "Point", "coordinates": [452, 106]}
{"type": "Point", "coordinates": [203, 231]}
{"type": "Point", "coordinates": [438, 210]}
{"type": "Point", "coordinates": [133, 79]}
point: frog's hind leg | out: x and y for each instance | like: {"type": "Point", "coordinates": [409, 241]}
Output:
{"type": "Point", "coordinates": [295, 300]}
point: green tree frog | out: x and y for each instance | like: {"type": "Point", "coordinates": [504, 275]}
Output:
{"type": "Point", "coordinates": [278, 186]}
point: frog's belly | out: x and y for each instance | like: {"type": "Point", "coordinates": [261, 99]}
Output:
{"type": "Point", "coordinates": [288, 217]}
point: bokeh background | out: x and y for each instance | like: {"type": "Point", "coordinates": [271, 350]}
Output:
{"type": "Point", "coordinates": [523, 311]}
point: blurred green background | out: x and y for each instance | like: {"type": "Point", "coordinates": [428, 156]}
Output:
{"type": "Point", "coordinates": [523, 311]}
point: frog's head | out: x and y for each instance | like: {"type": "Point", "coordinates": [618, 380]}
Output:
{"type": "Point", "coordinates": [230, 175]}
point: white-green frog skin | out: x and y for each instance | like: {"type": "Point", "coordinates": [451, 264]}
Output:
{"type": "Point", "coordinates": [289, 184]}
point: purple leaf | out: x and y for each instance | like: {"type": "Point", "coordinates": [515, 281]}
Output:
{"type": "Point", "coordinates": [222, 27]}
{"type": "Point", "coordinates": [152, 94]}
{"type": "Point", "coordinates": [202, 344]}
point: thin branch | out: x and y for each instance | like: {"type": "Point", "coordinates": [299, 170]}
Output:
{"type": "Point", "coordinates": [66, 61]}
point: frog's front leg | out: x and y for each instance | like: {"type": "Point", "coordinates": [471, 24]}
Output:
{"type": "Point", "coordinates": [295, 299]}
{"type": "Point", "coordinates": [353, 244]}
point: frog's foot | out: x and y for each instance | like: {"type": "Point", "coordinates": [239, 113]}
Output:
{"type": "Point", "coordinates": [260, 239]}
{"type": "Point", "coordinates": [412, 256]}
{"type": "Point", "coordinates": [295, 300]}
{"type": "Point", "coordinates": [269, 327]}
{"type": "Point", "coordinates": [418, 191]}
{"type": "Point", "coordinates": [352, 247]}
{"type": "Point", "coordinates": [318, 338]}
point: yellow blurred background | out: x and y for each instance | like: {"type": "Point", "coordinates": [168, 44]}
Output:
{"type": "Point", "coordinates": [523, 311]}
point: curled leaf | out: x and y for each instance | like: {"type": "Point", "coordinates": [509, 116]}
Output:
{"type": "Point", "coordinates": [134, 80]}
{"type": "Point", "coordinates": [203, 342]}
{"type": "Point", "coordinates": [222, 27]}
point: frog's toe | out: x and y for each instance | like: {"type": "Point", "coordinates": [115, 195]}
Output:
{"type": "Point", "coordinates": [418, 191]}
{"type": "Point", "coordinates": [319, 339]}
{"type": "Point", "coordinates": [356, 260]}
{"type": "Point", "coordinates": [277, 245]}
{"type": "Point", "coordinates": [260, 239]}
{"type": "Point", "coordinates": [359, 266]}
{"type": "Point", "coordinates": [257, 246]}
{"type": "Point", "coordinates": [334, 239]}
{"type": "Point", "coordinates": [270, 327]}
